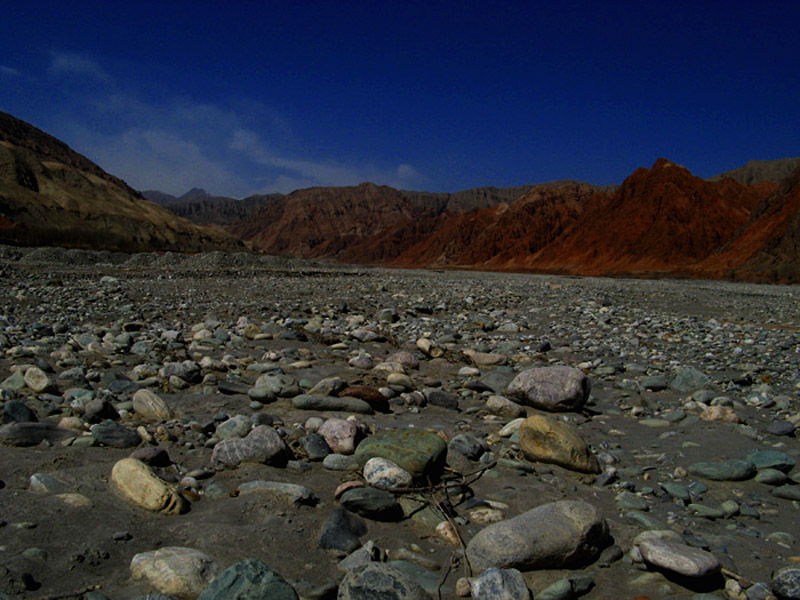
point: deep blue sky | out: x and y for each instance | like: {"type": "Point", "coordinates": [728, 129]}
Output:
{"type": "Point", "coordinates": [272, 96]}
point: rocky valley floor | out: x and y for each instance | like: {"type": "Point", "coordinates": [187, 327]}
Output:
{"type": "Point", "coordinates": [256, 394]}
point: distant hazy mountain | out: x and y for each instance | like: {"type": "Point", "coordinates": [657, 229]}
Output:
{"type": "Point", "coordinates": [756, 171]}
{"type": "Point", "coordinates": [52, 196]}
{"type": "Point", "coordinates": [201, 208]}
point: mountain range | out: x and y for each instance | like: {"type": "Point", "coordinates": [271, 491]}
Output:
{"type": "Point", "coordinates": [661, 221]}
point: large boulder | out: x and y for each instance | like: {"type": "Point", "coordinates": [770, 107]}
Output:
{"type": "Point", "coordinates": [560, 535]}
{"type": "Point", "coordinates": [554, 389]}
{"type": "Point", "coordinates": [548, 440]}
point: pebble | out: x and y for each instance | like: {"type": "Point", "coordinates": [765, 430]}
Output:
{"type": "Point", "coordinates": [261, 445]}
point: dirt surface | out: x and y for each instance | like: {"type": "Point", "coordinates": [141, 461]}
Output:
{"type": "Point", "coordinates": [618, 331]}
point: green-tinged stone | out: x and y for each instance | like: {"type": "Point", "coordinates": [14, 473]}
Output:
{"type": "Point", "coordinates": [428, 580]}
{"type": "Point", "coordinates": [787, 492]}
{"type": "Point", "coordinates": [15, 382]}
{"type": "Point", "coordinates": [771, 459]}
{"type": "Point", "coordinates": [654, 422]}
{"type": "Point", "coordinates": [421, 453]}
{"type": "Point", "coordinates": [629, 501]}
{"type": "Point", "coordinates": [735, 469]}
{"type": "Point", "coordinates": [560, 590]}
{"type": "Point", "coordinates": [420, 510]}
{"type": "Point", "coordinates": [707, 512]}
{"type": "Point", "coordinates": [646, 521]}
{"type": "Point", "coordinates": [771, 477]}
{"type": "Point", "coordinates": [676, 490]}
{"type": "Point", "coordinates": [249, 580]}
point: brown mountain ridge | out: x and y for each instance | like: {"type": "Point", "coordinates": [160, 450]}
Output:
{"type": "Point", "coordinates": [52, 196]}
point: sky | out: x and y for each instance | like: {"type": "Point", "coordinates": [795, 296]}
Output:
{"type": "Point", "coordinates": [259, 96]}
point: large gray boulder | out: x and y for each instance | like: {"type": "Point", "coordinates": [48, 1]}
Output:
{"type": "Point", "coordinates": [559, 535]}
{"type": "Point", "coordinates": [554, 389]}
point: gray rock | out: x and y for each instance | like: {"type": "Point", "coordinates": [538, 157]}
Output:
{"type": "Point", "coordinates": [380, 580]}
{"type": "Point", "coordinates": [342, 531]}
{"type": "Point", "coordinates": [237, 426]}
{"type": "Point", "coordinates": [298, 494]}
{"type": "Point", "coordinates": [771, 459]}
{"type": "Point", "coordinates": [438, 397]}
{"type": "Point", "coordinates": [16, 411]}
{"type": "Point", "coordinates": [249, 580]}
{"type": "Point", "coordinates": [115, 435]}
{"type": "Point", "coordinates": [563, 534]}
{"type": "Point", "coordinates": [150, 407]}
{"type": "Point", "coordinates": [327, 403]}
{"type": "Point", "coordinates": [735, 469]}
{"type": "Point", "coordinates": [787, 492]}
{"type": "Point", "coordinates": [261, 445]}
{"type": "Point", "coordinates": [677, 557]}
{"type": "Point", "coordinates": [421, 453]}
{"type": "Point", "coordinates": [554, 389]}
{"type": "Point", "coordinates": [468, 445]}
{"type": "Point", "coordinates": [500, 584]}
{"type": "Point", "coordinates": [281, 385]}
{"type": "Point", "coordinates": [98, 410]}
{"type": "Point", "coordinates": [689, 380]}
{"type": "Point", "coordinates": [786, 583]}
{"type": "Point", "coordinates": [316, 447]}
{"type": "Point", "coordinates": [385, 474]}
{"type": "Point", "coordinates": [372, 503]}
{"type": "Point", "coordinates": [340, 462]}
{"type": "Point", "coordinates": [656, 383]}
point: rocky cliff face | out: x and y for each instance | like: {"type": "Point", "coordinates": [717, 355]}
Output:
{"type": "Point", "coordinates": [53, 196]}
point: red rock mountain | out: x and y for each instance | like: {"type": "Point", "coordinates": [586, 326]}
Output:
{"type": "Point", "coordinates": [52, 196]}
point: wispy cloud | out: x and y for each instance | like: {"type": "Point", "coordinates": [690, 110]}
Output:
{"type": "Point", "coordinates": [172, 141]}
{"type": "Point", "coordinates": [77, 64]}
{"type": "Point", "coordinates": [9, 71]}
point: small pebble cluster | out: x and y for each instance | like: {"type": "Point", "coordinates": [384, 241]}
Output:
{"type": "Point", "coordinates": [223, 426]}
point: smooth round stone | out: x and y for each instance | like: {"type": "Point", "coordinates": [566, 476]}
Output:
{"type": "Point", "coordinates": [771, 477]}
{"type": "Point", "coordinates": [383, 473]}
{"type": "Point", "coordinates": [237, 426]}
{"type": "Point", "coordinates": [316, 447]}
{"type": "Point", "coordinates": [264, 395]}
{"type": "Point", "coordinates": [340, 434]}
{"type": "Point", "coordinates": [652, 422]}
{"type": "Point", "coordinates": [656, 383]}
{"type": "Point", "coordinates": [327, 403]}
{"type": "Point", "coordinates": [420, 452]}
{"type": "Point", "coordinates": [771, 459]}
{"type": "Point", "coordinates": [727, 470]}
{"type": "Point", "coordinates": [340, 462]}
{"type": "Point", "coordinates": [181, 572]}
{"type": "Point", "coordinates": [261, 445]}
{"type": "Point", "coordinates": [706, 512]}
{"type": "Point", "coordinates": [676, 490]}
{"type": "Point", "coordinates": [115, 435]}
{"type": "Point", "coordinates": [787, 492]}
{"type": "Point", "coordinates": [780, 428]}
{"type": "Point", "coordinates": [554, 389]}
{"type": "Point", "coordinates": [543, 438]}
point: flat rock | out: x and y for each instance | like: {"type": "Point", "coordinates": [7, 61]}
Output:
{"type": "Point", "coordinates": [16, 411]}
{"type": "Point", "coordinates": [689, 380]}
{"type": "Point", "coordinates": [298, 494]}
{"type": "Point", "coordinates": [249, 580]}
{"type": "Point", "coordinates": [548, 440]}
{"type": "Point", "coordinates": [735, 469]}
{"type": "Point", "coordinates": [380, 580]}
{"type": "Point", "coordinates": [328, 403]}
{"type": "Point", "coordinates": [771, 459]}
{"type": "Point", "coordinates": [261, 445]}
{"type": "Point", "coordinates": [370, 395]}
{"type": "Point", "coordinates": [554, 389]}
{"type": "Point", "coordinates": [565, 534]}
{"type": "Point", "coordinates": [110, 433]}
{"type": "Point", "coordinates": [181, 572]}
{"type": "Point", "coordinates": [678, 557]}
{"type": "Point", "coordinates": [420, 452]}
{"type": "Point", "coordinates": [139, 484]}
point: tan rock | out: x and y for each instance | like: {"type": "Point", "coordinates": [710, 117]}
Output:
{"type": "Point", "coordinates": [548, 440]}
{"type": "Point", "coordinates": [140, 485]}
{"type": "Point", "coordinates": [37, 380]}
{"type": "Point", "coordinates": [181, 572]}
{"type": "Point", "coordinates": [720, 413]}
{"type": "Point", "coordinates": [150, 406]}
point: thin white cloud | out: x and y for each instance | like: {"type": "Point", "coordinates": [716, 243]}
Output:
{"type": "Point", "coordinates": [9, 71]}
{"type": "Point", "coordinates": [76, 64]}
{"type": "Point", "coordinates": [304, 172]}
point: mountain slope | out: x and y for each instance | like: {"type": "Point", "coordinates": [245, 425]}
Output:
{"type": "Point", "coordinates": [756, 171]}
{"type": "Point", "coordinates": [51, 195]}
